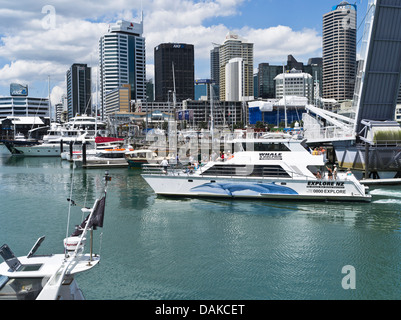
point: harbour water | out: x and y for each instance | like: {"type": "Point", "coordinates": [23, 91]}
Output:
{"type": "Point", "coordinates": [156, 248]}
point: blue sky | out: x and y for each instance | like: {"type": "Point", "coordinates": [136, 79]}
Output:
{"type": "Point", "coordinates": [33, 46]}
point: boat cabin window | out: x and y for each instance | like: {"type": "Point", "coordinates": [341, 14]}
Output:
{"type": "Point", "coordinates": [140, 155]}
{"type": "Point", "coordinates": [260, 146]}
{"type": "Point", "coordinates": [21, 288]}
{"type": "Point", "coordinates": [111, 155]}
{"type": "Point", "coordinates": [244, 170]}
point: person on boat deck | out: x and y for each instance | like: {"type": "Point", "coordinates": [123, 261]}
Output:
{"type": "Point", "coordinates": [330, 173]}
{"type": "Point", "coordinates": [164, 164]}
{"type": "Point", "coordinates": [349, 172]}
{"type": "Point", "coordinates": [318, 175]}
{"type": "Point", "coordinates": [335, 172]}
{"type": "Point", "coordinates": [213, 157]}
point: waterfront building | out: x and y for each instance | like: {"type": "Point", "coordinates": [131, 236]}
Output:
{"type": "Point", "coordinates": [236, 47]}
{"type": "Point", "coordinates": [266, 83]}
{"type": "Point", "coordinates": [182, 57]}
{"type": "Point", "coordinates": [267, 73]}
{"type": "Point", "coordinates": [118, 100]}
{"type": "Point", "coordinates": [225, 113]}
{"type": "Point", "coordinates": [197, 112]}
{"type": "Point", "coordinates": [339, 52]}
{"type": "Point", "coordinates": [61, 109]}
{"type": "Point", "coordinates": [235, 87]}
{"type": "Point", "coordinates": [123, 60]}
{"type": "Point", "coordinates": [294, 83]}
{"type": "Point", "coordinates": [202, 89]}
{"type": "Point", "coordinates": [24, 106]}
{"type": "Point", "coordinates": [79, 90]}
{"type": "Point", "coordinates": [13, 125]}
{"type": "Point", "coordinates": [150, 90]}
{"type": "Point", "coordinates": [276, 111]}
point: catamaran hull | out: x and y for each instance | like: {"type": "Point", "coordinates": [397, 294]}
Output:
{"type": "Point", "coordinates": [250, 188]}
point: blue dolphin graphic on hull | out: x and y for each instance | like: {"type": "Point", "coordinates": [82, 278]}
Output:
{"type": "Point", "coordinates": [233, 189]}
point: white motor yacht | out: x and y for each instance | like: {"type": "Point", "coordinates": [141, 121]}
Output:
{"type": "Point", "coordinates": [74, 152]}
{"type": "Point", "coordinates": [79, 130]}
{"type": "Point", "coordinates": [106, 158]}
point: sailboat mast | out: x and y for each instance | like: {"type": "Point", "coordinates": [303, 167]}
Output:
{"type": "Point", "coordinates": [48, 92]}
{"type": "Point", "coordinates": [174, 92]}
{"type": "Point", "coordinates": [211, 112]}
{"type": "Point", "coordinates": [285, 105]}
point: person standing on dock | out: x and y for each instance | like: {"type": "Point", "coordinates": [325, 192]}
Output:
{"type": "Point", "coordinates": [164, 164]}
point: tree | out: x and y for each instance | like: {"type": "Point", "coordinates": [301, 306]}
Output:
{"type": "Point", "coordinates": [259, 125]}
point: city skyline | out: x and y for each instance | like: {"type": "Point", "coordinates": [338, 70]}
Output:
{"type": "Point", "coordinates": [40, 40]}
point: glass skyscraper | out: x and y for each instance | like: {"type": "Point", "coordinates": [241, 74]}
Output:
{"type": "Point", "coordinates": [123, 60]}
{"type": "Point", "coordinates": [339, 52]}
{"type": "Point", "coordinates": [79, 90]}
{"type": "Point", "coordinates": [182, 55]}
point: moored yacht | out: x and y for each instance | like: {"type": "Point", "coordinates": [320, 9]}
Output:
{"type": "Point", "coordinates": [106, 158]}
{"type": "Point", "coordinates": [272, 167]}
{"type": "Point", "coordinates": [74, 152]}
{"type": "Point", "coordinates": [79, 130]}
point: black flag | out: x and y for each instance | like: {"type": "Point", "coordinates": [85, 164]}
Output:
{"type": "Point", "coordinates": [98, 214]}
{"type": "Point", "coordinates": [96, 220]}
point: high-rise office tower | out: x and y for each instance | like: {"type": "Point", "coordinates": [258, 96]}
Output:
{"type": "Point", "coordinates": [123, 60]}
{"type": "Point", "coordinates": [214, 68]}
{"type": "Point", "coordinates": [79, 90]}
{"type": "Point", "coordinates": [266, 83]}
{"type": "Point", "coordinates": [235, 47]}
{"type": "Point", "coordinates": [234, 80]}
{"type": "Point", "coordinates": [339, 52]}
{"type": "Point", "coordinates": [181, 56]}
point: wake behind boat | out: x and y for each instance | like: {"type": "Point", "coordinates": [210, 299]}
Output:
{"type": "Point", "coordinates": [52, 277]}
{"type": "Point", "coordinates": [273, 167]}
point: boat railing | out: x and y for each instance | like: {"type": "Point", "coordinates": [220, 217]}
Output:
{"type": "Point", "coordinates": [246, 172]}
{"type": "Point", "coordinates": [157, 169]}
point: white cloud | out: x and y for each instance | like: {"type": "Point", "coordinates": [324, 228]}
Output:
{"type": "Point", "coordinates": [32, 52]}
{"type": "Point", "coordinates": [275, 43]}
{"type": "Point", "coordinates": [26, 72]}
{"type": "Point", "coordinates": [56, 93]}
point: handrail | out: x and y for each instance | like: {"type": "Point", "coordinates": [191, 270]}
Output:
{"type": "Point", "coordinates": [179, 170]}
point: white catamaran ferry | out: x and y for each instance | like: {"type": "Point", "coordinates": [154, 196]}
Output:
{"type": "Point", "coordinates": [272, 167]}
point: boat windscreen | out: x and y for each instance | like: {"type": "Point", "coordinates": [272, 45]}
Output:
{"type": "Point", "coordinates": [9, 257]}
